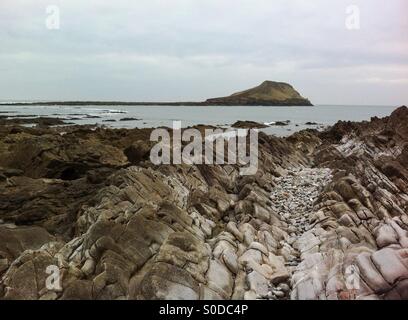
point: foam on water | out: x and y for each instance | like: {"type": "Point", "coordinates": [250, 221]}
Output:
{"type": "Point", "coordinates": [224, 116]}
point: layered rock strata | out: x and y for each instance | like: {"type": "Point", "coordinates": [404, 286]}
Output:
{"type": "Point", "coordinates": [325, 217]}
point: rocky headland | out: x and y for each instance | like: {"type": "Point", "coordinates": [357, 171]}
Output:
{"type": "Point", "coordinates": [323, 207]}
{"type": "Point", "coordinates": [268, 93]}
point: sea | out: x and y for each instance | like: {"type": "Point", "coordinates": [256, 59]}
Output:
{"type": "Point", "coordinates": [298, 118]}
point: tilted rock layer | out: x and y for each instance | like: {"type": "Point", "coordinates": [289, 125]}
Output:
{"type": "Point", "coordinates": [325, 217]}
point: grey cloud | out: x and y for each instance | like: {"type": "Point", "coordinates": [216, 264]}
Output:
{"type": "Point", "coordinates": [183, 49]}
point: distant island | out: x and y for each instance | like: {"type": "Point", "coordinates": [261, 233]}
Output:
{"type": "Point", "coordinates": [268, 93]}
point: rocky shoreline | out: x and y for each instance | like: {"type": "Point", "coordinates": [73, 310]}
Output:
{"type": "Point", "coordinates": [323, 207]}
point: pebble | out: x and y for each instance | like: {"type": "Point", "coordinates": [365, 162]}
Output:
{"type": "Point", "coordinates": [278, 294]}
{"type": "Point", "coordinates": [284, 287]}
{"type": "Point", "coordinates": [293, 197]}
{"type": "Point", "coordinates": [271, 296]}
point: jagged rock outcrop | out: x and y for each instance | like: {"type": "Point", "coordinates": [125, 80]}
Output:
{"type": "Point", "coordinates": [325, 217]}
{"type": "Point", "coordinates": [360, 226]}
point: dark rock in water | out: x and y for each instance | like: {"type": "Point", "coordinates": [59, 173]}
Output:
{"type": "Point", "coordinates": [50, 121]}
{"type": "Point", "coordinates": [280, 123]}
{"type": "Point", "coordinates": [109, 120]}
{"type": "Point", "coordinates": [129, 119]}
{"type": "Point", "coordinates": [309, 123]}
{"type": "Point", "coordinates": [115, 111]}
{"type": "Point", "coordinates": [89, 116]}
{"type": "Point", "coordinates": [248, 125]}
{"type": "Point", "coordinates": [41, 121]}
{"type": "Point", "coordinates": [19, 116]}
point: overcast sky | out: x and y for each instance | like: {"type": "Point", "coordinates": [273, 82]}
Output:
{"type": "Point", "coordinates": [170, 50]}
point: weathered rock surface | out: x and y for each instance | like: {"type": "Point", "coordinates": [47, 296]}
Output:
{"type": "Point", "coordinates": [360, 219]}
{"type": "Point", "coordinates": [248, 125]}
{"type": "Point", "coordinates": [325, 217]}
